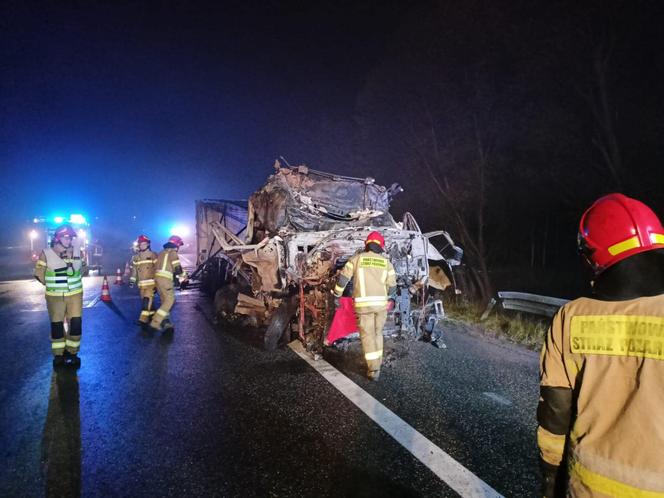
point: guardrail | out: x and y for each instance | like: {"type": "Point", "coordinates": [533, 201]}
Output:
{"type": "Point", "coordinates": [528, 303]}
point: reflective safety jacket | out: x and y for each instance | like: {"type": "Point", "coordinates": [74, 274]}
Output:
{"type": "Point", "coordinates": [168, 264]}
{"type": "Point", "coordinates": [143, 268]}
{"type": "Point", "coordinates": [59, 269]}
{"type": "Point", "coordinates": [373, 277]}
{"type": "Point", "coordinates": [602, 397]}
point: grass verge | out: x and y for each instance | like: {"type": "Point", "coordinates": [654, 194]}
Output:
{"type": "Point", "coordinates": [521, 328]}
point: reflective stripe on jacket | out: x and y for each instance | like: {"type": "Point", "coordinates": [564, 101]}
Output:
{"type": "Point", "coordinates": [372, 275]}
{"type": "Point", "coordinates": [63, 274]}
{"type": "Point", "coordinates": [602, 396]}
{"type": "Point", "coordinates": [143, 268]}
{"type": "Point", "coordinates": [168, 264]}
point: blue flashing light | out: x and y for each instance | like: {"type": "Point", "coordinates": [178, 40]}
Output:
{"type": "Point", "coordinates": [58, 219]}
{"type": "Point", "coordinates": [180, 230]}
{"type": "Point", "coordinates": [78, 219]}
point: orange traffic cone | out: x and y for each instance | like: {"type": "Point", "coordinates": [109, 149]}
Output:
{"type": "Point", "coordinates": [105, 291]}
{"type": "Point", "coordinates": [118, 277]}
{"type": "Point", "coordinates": [127, 271]}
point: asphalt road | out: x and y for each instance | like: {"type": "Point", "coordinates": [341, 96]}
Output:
{"type": "Point", "coordinates": [204, 411]}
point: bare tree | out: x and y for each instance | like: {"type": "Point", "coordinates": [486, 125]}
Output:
{"type": "Point", "coordinates": [456, 164]}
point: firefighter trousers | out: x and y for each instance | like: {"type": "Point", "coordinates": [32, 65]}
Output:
{"type": "Point", "coordinates": [371, 322]}
{"type": "Point", "coordinates": [167, 300]}
{"type": "Point", "coordinates": [147, 297]}
{"type": "Point", "coordinates": [61, 309]}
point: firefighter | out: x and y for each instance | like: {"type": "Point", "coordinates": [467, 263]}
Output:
{"type": "Point", "coordinates": [142, 274]}
{"type": "Point", "coordinates": [601, 431]}
{"type": "Point", "coordinates": [374, 279]}
{"type": "Point", "coordinates": [59, 268]}
{"type": "Point", "coordinates": [167, 269]}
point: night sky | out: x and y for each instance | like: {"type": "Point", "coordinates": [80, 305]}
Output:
{"type": "Point", "coordinates": [121, 109]}
{"type": "Point", "coordinates": [503, 121]}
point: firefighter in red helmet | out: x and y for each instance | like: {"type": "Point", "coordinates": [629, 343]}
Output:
{"type": "Point", "coordinates": [602, 365]}
{"type": "Point", "coordinates": [167, 270]}
{"type": "Point", "coordinates": [374, 280]}
{"type": "Point", "coordinates": [142, 274]}
{"type": "Point", "coordinates": [60, 269]}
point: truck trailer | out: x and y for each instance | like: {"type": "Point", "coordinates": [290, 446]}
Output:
{"type": "Point", "coordinates": [275, 257]}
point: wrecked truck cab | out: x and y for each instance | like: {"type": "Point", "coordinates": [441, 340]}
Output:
{"type": "Point", "coordinates": [301, 227]}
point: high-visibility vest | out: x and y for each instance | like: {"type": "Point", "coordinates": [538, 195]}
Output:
{"type": "Point", "coordinates": [63, 276]}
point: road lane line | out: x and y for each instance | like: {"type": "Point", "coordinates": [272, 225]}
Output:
{"type": "Point", "coordinates": [455, 475]}
{"type": "Point", "coordinates": [498, 398]}
{"type": "Point", "coordinates": [93, 302]}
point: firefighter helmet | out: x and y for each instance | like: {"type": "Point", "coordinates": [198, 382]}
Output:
{"type": "Point", "coordinates": [142, 238]}
{"type": "Point", "coordinates": [376, 238]}
{"type": "Point", "coordinates": [174, 239]}
{"type": "Point", "coordinates": [616, 227]}
{"type": "Point", "coordinates": [63, 230]}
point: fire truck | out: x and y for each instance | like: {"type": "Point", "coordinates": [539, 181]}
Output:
{"type": "Point", "coordinates": [43, 228]}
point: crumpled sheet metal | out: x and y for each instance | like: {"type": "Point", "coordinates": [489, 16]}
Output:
{"type": "Point", "coordinates": [266, 262]}
{"type": "Point", "coordinates": [310, 201]}
{"type": "Point", "coordinates": [248, 305]}
{"type": "Point", "coordinates": [231, 214]}
{"type": "Point", "coordinates": [438, 279]}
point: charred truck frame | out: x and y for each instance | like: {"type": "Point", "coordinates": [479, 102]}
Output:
{"type": "Point", "coordinates": [275, 258]}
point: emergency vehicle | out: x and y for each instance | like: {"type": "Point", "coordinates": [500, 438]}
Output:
{"type": "Point", "coordinates": [44, 227]}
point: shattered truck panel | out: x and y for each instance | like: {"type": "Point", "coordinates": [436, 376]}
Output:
{"type": "Point", "coordinates": [218, 222]}
{"type": "Point", "coordinates": [301, 228]}
{"type": "Point", "coordinates": [231, 214]}
{"type": "Point", "coordinates": [265, 263]}
{"type": "Point", "coordinates": [304, 200]}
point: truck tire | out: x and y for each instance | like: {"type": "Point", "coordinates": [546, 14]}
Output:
{"type": "Point", "coordinates": [279, 326]}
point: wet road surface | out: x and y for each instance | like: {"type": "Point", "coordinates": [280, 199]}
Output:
{"type": "Point", "coordinates": [204, 411]}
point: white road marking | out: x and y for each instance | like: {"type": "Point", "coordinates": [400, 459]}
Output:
{"type": "Point", "coordinates": [93, 302]}
{"type": "Point", "coordinates": [88, 304]}
{"type": "Point", "coordinates": [31, 293]}
{"type": "Point", "coordinates": [498, 399]}
{"type": "Point", "coordinates": [440, 463]}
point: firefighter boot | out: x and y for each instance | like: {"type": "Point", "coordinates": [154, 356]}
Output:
{"type": "Point", "coordinates": [146, 312]}
{"type": "Point", "coordinates": [75, 361]}
{"type": "Point", "coordinates": [164, 325]}
{"type": "Point", "coordinates": [72, 360]}
{"type": "Point", "coordinates": [58, 361]}
{"type": "Point", "coordinates": [373, 374]}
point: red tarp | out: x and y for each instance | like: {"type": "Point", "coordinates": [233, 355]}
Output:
{"type": "Point", "coordinates": [343, 322]}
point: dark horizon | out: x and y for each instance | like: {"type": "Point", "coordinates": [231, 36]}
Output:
{"type": "Point", "coordinates": [153, 106]}
{"type": "Point", "coordinates": [527, 112]}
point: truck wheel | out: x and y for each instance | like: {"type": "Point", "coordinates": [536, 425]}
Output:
{"type": "Point", "coordinates": [279, 325]}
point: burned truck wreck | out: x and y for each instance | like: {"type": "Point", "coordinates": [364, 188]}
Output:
{"type": "Point", "coordinates": [275, 258]}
